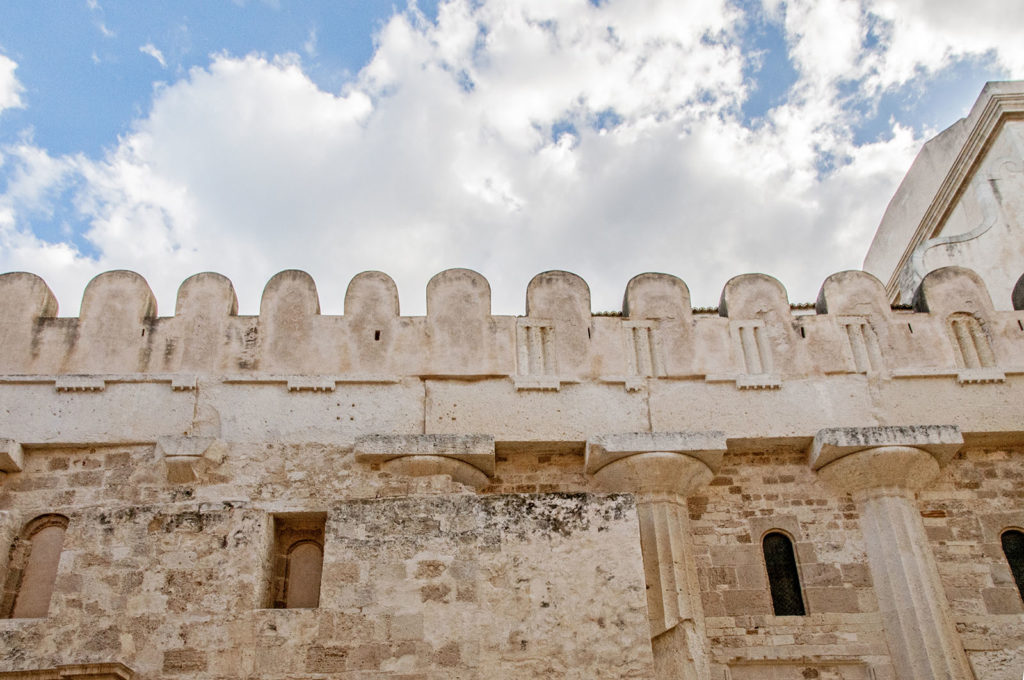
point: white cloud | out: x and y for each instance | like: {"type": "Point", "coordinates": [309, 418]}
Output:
{"type": "Point", "coordinates": [151, 50]}
{"type": "Point", "coordinates": [10, 88]}
{"type": "Point", "coordinates": [931, 33]}
{"type": "Point", "coordinates": [309, 46]}
{"type": "Point", "coordinates": [475, 141]}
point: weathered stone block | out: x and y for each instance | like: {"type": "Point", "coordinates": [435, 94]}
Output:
{"type": "Point", "coordinates": [830, 444]}
{"type": "Point", "coordinates": [707, 447]}
{"type": "Point", "coordinates": [11, 457]}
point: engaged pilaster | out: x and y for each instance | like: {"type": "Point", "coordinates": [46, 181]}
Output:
{"type": "Point", "coordinates": [661, 470]}
{"type": "Point", "coordinates": [883, 468]}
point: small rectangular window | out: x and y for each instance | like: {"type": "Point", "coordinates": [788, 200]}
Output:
{"type": "Point", "coordinates": [297, 560]}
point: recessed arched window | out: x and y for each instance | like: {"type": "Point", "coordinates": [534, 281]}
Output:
{"type": "Point", "coordinates": [305, 565]}
{"type": "Point", "coordinates": [297, 561]}
{"type": "Point", "coordinates": [1013, 548]}
{"type": "Point", "coordinates": [783, 577]}
{"type": "Point", "coordinates": [32, 568]}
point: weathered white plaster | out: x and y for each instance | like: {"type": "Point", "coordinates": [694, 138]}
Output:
{"type": "Point", "coordinates": [960, 203]}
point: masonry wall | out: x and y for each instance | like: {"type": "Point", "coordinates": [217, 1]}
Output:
{"type": "Point", "coordinates": [978, 497]}
{"type": "Point", "coordinates": [420, 579]}
{"type": "Point", "coordinates": [841, 633]}
{"type": "Point", "coordinates": [424, 578]}
{"type": "Point", "coordinates": [469, 531]}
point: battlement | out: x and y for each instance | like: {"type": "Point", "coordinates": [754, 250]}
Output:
{"type": "Point", "coordinates": [756, 341]}
{"type": "Point", "coordinates": [763, 373]}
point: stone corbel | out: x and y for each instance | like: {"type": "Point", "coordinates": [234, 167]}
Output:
{"type": "Point", "coordinates": [466, 458]}
{"type": "Point", "coordinates": [12, 458]}
{"type": "Point", "coordinates": [187, 456]}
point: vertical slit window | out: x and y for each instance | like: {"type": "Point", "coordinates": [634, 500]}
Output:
{"type": "Point", "coordinates": [1013, 549]}
{"type": "Point", "coordinates": [783, 577]}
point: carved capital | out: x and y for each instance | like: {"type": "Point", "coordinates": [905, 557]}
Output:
{"type": "Point", "coordinates": [646, 463]}
{"type": "Point", "coordinates": [425, 466]}
{"type": "Point", "coordinates": [655, 474]}
{"type": "Point", "coordinates": [884, 470]}
{"type": "Point", "coordinates": [891, 459]}
{"type": "Point", "coordinates": [468, 458]}
{"type": "Point", "coordinates": [941, 441]}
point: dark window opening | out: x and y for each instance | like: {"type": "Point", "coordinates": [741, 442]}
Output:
{"type": "Point", "coordinates": [1013, 548]}
{"type": "Point", "coordinates": [783, 577]}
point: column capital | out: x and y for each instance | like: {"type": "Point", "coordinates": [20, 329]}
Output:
{"type": "Point", "coordinates": [674, 463]}
{"type": "Point", "coordinates": [881, 471]}
{"type": "Point", "coordinates": [707, 447]}
{"type": "Point", "coordinates": [941, 441]}
{"type": "Point", "coordinates": [466, 458]}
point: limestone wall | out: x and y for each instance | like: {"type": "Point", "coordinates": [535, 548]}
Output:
{"type": "Point", "coordinates": [464, 464]}
{"type": "Point", "coordinates": [121, 374]}
{"type": "Point", "coordinates": [421, 579]}
{"type": "Point", "coordinates": [964, 513]}
{"type": "Point", "coordinates": [960, 202]}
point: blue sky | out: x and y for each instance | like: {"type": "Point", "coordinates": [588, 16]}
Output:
{"type": "Point", "coordinates": [705, 139]}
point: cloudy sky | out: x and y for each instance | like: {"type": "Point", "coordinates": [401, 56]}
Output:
{"type": "Point", "coordinates": [703, 138]}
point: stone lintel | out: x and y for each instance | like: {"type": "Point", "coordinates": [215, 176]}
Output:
{"type": "Point", "coordinates": [941, 441]}
{"type": "Point", "coordinates": [475, 449]}
{"type": "Point", "coordinates": [707, 447]}
{"type": "Point", "coordinates": [12, 459]}
{"type": "Point", "coordinates": [92, 671]}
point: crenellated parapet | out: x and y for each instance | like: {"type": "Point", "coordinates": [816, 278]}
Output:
{"type": "Point", "coordinates": [757, 340]}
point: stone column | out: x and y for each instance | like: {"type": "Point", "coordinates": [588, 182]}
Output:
{"type": "Point", "coordinates": [883, 468]}
{"type": "Point", "coordinates": [661, 470]}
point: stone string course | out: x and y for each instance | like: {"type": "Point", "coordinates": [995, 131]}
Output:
{"type": "Point", "coordinates": [512, 497]}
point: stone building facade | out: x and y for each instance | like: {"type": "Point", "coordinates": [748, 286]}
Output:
{"type": "Point", "coordinates": [961, 203]}
{"type": "Point", "coordinates": [757, 491]}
